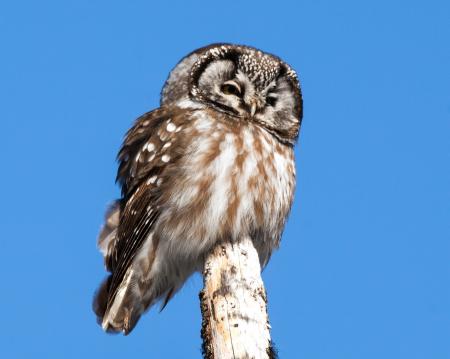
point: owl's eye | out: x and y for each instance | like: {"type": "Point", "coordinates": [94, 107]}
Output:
{"type": "Point", "coordinates": [271, 100]}
{"type": "Point", "coordinates": [231, 88]}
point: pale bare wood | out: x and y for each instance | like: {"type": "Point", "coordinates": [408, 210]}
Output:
{"type": "Point", "coordinates": [233, 303]}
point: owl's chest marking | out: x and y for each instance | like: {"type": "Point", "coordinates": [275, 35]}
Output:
{"type": "Point", "coordinates": [233, 178]}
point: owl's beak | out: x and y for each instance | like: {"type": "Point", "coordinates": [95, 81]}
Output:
{"type": "Point", "coordinates": [253, 104]}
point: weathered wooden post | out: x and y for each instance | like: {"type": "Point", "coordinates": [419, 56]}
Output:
{"type": "Point", "coordinates": [233, 304]}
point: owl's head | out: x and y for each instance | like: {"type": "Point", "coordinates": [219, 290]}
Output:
{"type": "Point", "coordinates": [242, 82]}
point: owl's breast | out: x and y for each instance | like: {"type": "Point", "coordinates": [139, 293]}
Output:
{"type": "Point", "coordinates": [234, 179]}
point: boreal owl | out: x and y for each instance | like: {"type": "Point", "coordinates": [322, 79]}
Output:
{"type": "Point", "coordinates": [214, 162]}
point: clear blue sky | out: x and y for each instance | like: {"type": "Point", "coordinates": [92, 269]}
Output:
{"type": "Point", "coordinates": [364, 266]}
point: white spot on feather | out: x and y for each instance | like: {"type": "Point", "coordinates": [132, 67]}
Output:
{"type": "Point", "coordinates": [151, 180]}
{"type": "Point", "coordinates": [171, 127]}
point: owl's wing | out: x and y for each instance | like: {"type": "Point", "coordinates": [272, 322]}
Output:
{"type": "Point", "coordinates": [132, 156]}
{"type": "Point", "coordinates": [133, 168]}
{"type": "Point", "coordinates": [142, 164]}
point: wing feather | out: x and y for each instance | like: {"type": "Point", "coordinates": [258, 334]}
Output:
{"type": "Point", "coordinates": [139, 209]}
{"type": "Point", "coordinates": [130, 171]}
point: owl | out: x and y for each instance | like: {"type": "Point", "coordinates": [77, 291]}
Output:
{"type": "Point", "coordinates": [214, 162]}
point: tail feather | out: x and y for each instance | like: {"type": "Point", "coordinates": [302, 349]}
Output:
{"type": "Point", "coordinates": [130, 301]}
{"type": "Point", "coordinates": [149, 278]}
{"type": "Point", "coordinates": [120, 311]}
{"type": "Point", "coordinates": [125, 310]}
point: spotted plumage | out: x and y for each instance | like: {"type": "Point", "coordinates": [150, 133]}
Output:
{"type": "Point", "coordinates": [214, 162]}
